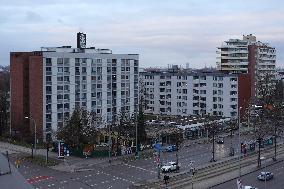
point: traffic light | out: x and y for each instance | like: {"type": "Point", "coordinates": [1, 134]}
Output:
{"type": "Point", "coordinates": [243, 148]}
{"type": "Point", "coordinates": [270, 141]}
{"type": "Point", "coordinates": [252, 146]}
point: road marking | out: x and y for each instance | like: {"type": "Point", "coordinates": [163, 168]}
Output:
{"type": "Point", "coordinates": [38, 179]}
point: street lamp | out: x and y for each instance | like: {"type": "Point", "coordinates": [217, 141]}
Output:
{"type": "Point", "coordinates": [240, 150]}
{"type": "Point", "coordinates": [34, 131]}
{"type": "Point", "coordinates": [136, 135]}
{"type": "Point", "coordinates": [263, 158]}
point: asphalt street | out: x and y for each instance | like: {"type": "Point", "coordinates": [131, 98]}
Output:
{"type": "Point", "coordinates": [123, 174]}
{"type": "Point", "coordinates": [251, 179]}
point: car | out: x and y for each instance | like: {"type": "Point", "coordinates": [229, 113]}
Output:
{"type": "Point", "coordinates": [249, 187]}
{"type": "Point", "coordinates": [171, 148]}
{"type": "Point", "coordinates": [265, 176]}
{"type": "Point", "coordinates": [220, 141]}
{"type": "Point", "coordinates": [170, 166]}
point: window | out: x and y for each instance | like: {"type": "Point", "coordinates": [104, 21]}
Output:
{"type": "Point", "coordinates": [48, 69]}
{"type": "Point", "coordinates": [202, 77]}
{"type": "Point", "coordinates": [84, 95]}
{"type": "Point", "coordinates": [84, 87]}
{"type": "Point", "coordinates": [59, 96]}
{"type": "Point", "coordinates": [77, 69]}
{"type": "Point", "coordinates": [66, 87]}
{"type": "Point", "coordinates": [59, 106]}
{"type": "Point", "coordinates": [60, 69]}
{"type": "Point", "coordinates": [59, 88]}
{"type": "Point", "coordinates": [84, 60]}
{"type": "Point", "coordinates": [48, 89]}
{"type": "Point", "coordinates": [99, 70]}
{"type": "Point", "coordinates": [48, 78]}
{"type": "Point", "coordinates": [202, 91]}
{"type": "Point", "coordinates": [59, 116]}
{"type": "Point", "coordinates": [66, 78]}
{"type": "Point", "coordinates": [59, 60]}
{"type": "Point", "coordinates": [93, 103]}
{"type": "Point", "coordinates": [66, 60]}
{"type": "Point", "coordinates": [66, 106]}
{"type": "Point", "coordinates": [48, 60]}
{"type": "Point", "coordinates": [195, 77]}
{"type": "Point", "coordinates": [60, 78]}
{"type": "Point", "coordinates": [66, 69]}
{"type": "Point", "coordinates": [66, 96]}
{"type": "Point", "coordinates": [233, 99]}
{"type": "Point", "coordinates": [84, 69]}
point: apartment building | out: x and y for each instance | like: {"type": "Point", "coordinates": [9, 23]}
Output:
{"type": "Point", "coordinates": [47, 85]}
{"type": "Point", "coordinates": [247, 56]}
{"type": "Point", "coordinates": [176, 91]}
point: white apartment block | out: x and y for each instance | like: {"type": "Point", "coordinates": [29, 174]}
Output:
{"type": "Point", "coordinates": [94, 79]}
{"type": "Point", "coordinates": [233, 56]}
{"type": "Point", "coordinates": [182, 92]}
{"type": "Point", "coordinates": [246, 56]}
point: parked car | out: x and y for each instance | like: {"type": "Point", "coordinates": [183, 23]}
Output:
{"type": "Point", "coordinates": [170, 166]}
{"type": "Point", "coordinates": [220, 140]}
{"type": "Point", "coordinates": [265, 176]}
{"type": "Point", "coordinates": [171, 148]}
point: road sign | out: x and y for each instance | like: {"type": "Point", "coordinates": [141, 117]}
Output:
{"type": "Point", "coordinates": [60, 149]}
{"type": "Point", "coordinates": [158, 146]}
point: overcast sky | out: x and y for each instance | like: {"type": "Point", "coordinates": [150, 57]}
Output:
{"type": "Point", "coordinates": [162, 31]}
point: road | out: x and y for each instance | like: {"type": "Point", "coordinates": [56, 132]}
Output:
{"type": "Point", "coordinates": [251, 179]}
{"type": "Point", "coordinates": [123, 174]}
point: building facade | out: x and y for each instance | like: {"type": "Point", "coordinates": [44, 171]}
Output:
{"type": "Point", "coordinates": [248, 56]}
{"type": "Point", "coordinates": [182, 92]}
{"type": "Point", "coordinates": [47, 85]}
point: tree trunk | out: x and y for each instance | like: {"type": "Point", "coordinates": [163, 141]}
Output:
{"type": "Point", "coordinates": [213, 147]}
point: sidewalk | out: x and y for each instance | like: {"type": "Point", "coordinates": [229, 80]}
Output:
{"type": "Point", "coordinates": [69, 164]}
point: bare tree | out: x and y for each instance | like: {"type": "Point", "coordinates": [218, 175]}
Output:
{"type": "Point", "coordinates": [80, 128]}
{"type": "Point", "coordinates": [4, 97]}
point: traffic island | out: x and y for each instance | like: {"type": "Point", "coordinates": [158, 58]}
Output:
{"type": "Point", "coordinates": [41, 160]}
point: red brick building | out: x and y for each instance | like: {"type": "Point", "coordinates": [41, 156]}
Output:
{"type": "Point", "coordinates": [26, 92]}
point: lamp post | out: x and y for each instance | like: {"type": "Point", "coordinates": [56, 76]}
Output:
{"type": "Point", "coordinates": [109, 144]}
{"type": "Point", "coordinates": [263, 158]}
{"type": "Point", "coordinates": [136, 135]}
{"type": "Point", "coordinates": [34, 131]}
{"type": "Point", "coordinates": [240, 150]}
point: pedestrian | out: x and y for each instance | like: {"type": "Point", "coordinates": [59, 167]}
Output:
{"type": "Point", "coordinates": [166, 178]}
{"type": "Point", "coordinates": [17, 163]}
